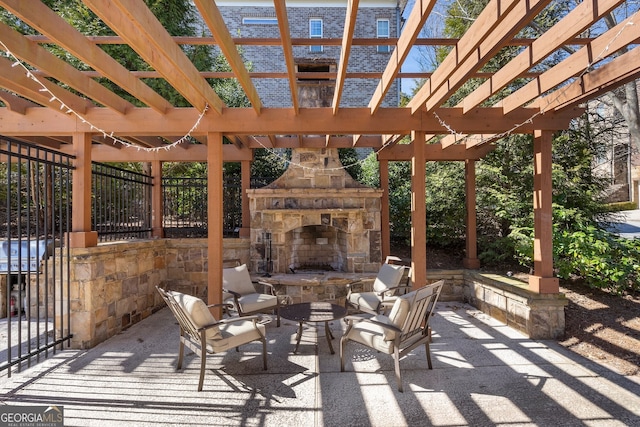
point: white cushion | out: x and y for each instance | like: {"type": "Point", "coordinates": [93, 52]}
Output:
{"type": "Point", "coordinates": [234, 334]}
{"type": "Point", "coordinates": [389, 276]}
{"type": "Point", "coordinates": [399, 313]}
{"type": "Point", "coordinates": [237, 279]}
{"type": "Point", "coordinates": [365, 301]}
{"type": "Point", "coordinates": [198, 312]}
{"type": "Point", "coordinates": [372, 335]}
{"type": "Point", "coordinates": [379, 337]}
{"type": "Point", "coordinates": [257, 302]}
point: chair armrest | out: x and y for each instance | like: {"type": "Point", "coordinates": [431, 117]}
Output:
{"type": "Point", "coordinates": [352, 285]}
{"type": "Point", "coordinates": [238, 319]}
{"type": "Point", "coordinates": [220, 305]}
{"type": "Point", "coordinates": [386, 325]}
{"type": "Point", "coordinates": [355, 319]}
{"type": "Point", "coordinates": [395, 289]}
{"type": "Point", "coordinates": [272, 289]}
{"type": "Point", "coordinates": [209, 326]}
{"type": "Point", "coordinates": [234, 293]}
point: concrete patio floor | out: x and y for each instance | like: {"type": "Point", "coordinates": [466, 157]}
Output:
{"type": "Point", "coordinates": [485, 374]}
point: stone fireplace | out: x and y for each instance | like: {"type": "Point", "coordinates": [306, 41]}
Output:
{"type": "Point", "coordinates": [315, 217]}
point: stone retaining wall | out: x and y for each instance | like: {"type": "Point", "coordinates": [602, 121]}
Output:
{"type": "Point", "coordinates": [540, 316]}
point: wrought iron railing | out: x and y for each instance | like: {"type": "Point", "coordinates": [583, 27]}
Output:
{"type": "Point", "coordinates": [121, 203]}
{"type": "Point", "coordinates": [35, 221]}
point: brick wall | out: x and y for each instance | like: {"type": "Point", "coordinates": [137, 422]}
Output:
{"type": "Point", "coordinates": [276, 92]}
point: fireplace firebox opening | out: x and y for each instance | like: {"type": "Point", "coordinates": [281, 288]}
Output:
{"type": "Point", "coordinates": [316, 248]}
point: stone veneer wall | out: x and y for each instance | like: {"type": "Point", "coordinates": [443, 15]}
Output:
{"type": "Point", "coordinates": [113, 285]}
{"type": "Point", "coordinates": [540, 316]}
{"type": "Point", "coordinates": [357, 214]}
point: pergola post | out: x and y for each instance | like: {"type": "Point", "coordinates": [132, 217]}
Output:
{"type": "Point", "coordinates": [214, 218]}
{"type": "Point", "coordinates": [156, 200]}
{"type": "Point", "coordinates": [81, 235]}
{"type": "Point", "coordinates": [418, 211]}
{"type": "Point", "coordinates": [542, 280]}
{"type": "Point", "coordinates": [470, 260]}
{"type": "Point", "coordinates": [245, 171]}
{"type": "Point", "coordinates": [385, 233]}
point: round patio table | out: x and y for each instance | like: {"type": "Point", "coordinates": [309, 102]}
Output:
{"type": "Point", "coordinates": [313, 312]}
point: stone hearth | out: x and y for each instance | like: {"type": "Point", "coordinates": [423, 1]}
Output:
{"type": "Point", "coordinates": [318, 218]}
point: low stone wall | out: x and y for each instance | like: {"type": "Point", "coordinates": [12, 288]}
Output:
{"type": "Point", "coordinates": [454, 283]}
{"type": "Point", "coordinates": [113, 285]}
{"type": "Point", "coordinates": [540, 316]}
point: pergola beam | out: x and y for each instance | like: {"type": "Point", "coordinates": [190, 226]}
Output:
{"type": "Point", "coordinates": [621, 70]}
{"type": "Point", "coordinates": [605, 45]}
{"type": "Point", "coordinates": [42, 18]}
{"type": "Point", "coordinates": [574, 23]}
{"type": "Point", "coordinates": [276, 121]}
{"type": "Point", "coordinates": [345, 51]}
{"type": "Point", "coordinates": [141, 30]}
{"type": "Point", "coordinates": [410, 32]}
{"type": "Point", "coordinates": [39, 57]}
{"type": "Point", "coordinates": [287, 49]}
{"type": "Point", "coordinates": [14, 79]}
{"type": "Point", "coordinates": [498, 22]}
{"type": "Point", "coordinates": [213, 18]}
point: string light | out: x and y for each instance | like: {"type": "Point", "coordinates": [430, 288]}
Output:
{"type": "Point", "coordinates": [94, 128]}
{"type": "Point", "coordinates": [286, 161]}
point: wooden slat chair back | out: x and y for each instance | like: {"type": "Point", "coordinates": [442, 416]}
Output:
{"type": "Point", "coordinates": [405, 328]}
{"type": "Point", "coordinates": [201, 333]}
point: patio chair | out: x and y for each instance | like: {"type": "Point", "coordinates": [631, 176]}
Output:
{"type": "Point", "coordinates": [239, 291]}
{"type": "Point", "coordinates": [386, 288]}
{"type": "Point", "coordinates": [202, 333]}
{"type": "Point", "coordinates": [406, 327]}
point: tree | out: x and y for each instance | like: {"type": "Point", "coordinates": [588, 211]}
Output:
{"type": "Point", "coordinates": [505, 178]}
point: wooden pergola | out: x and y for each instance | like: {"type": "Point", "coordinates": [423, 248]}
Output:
{"type": "Point", "coordinates": [95, 124]}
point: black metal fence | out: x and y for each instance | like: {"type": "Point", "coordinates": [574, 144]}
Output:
{"type": "Point", "coordinates": [35, 219]}
{"type": "Point", "coordinates": [121, 203]}
{"type": "Point", "coordinates": [185, 207]}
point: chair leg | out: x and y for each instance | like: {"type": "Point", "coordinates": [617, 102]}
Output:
{"type": "Point", "coordinates": [343, 343]}
{"type": "Point", "coordinates": [180, 354]}
{"type": "Point", "coordinates": [264, 353]}
{"type": "Point", "coordinates": [396, 358]}
{"type": "Point", "coordinates": [203, 363]}
{"type": "Point", "coordinates": [427, 348]}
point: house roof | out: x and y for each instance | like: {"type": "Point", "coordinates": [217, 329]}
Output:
{"type": "Point", "coordinates": [52, 100]}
